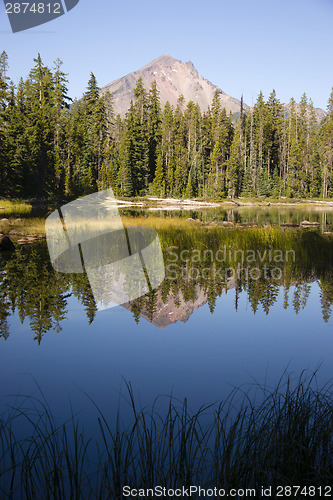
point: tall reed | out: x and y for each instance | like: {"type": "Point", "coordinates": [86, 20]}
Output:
{"type": "Point", "coordinates": [265, 437]}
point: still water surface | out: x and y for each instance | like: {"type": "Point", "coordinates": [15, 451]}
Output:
{"type": "Point", "coordinates": [199, 335]}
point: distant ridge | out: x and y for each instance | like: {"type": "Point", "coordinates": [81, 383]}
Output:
{"type": "Point", "coordinates": [320, 113]}
{"type": "Point", "coordinates": [173, 78]}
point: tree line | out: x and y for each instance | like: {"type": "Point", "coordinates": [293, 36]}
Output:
{"type": "Point", "coordinates": [52, 146]}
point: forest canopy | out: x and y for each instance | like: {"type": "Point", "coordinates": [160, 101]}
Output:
{"type": "Point", "coordinates": [52, 146]}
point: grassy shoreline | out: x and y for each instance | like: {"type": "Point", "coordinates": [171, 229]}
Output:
{"type": "Point", "coordinates": [25, 205]}
{"type": "Point", "coordinates": [19, 219]}
{"type": "Point", "coordinates": [268, 436]}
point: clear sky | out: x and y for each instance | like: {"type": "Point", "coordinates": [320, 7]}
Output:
{"type": "Point", "coordinates": [243, 46]}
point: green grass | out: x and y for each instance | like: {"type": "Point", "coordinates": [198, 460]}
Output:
{"type": "Point", "coordinates": [16, 217]}
{"type": "Point", "coordinates": [14, 207]}
{"type": "Point", "coordinates": [308, 245]}
{"type": "Point", "coordinates": [270, 437]}
{"type": "Point", "coordinates": [22, 227]}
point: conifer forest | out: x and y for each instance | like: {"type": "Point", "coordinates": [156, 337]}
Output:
{"type": "Point", "coordinates": [52, 146]}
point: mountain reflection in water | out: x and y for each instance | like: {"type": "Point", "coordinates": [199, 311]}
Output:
{"type": "Point", "coordinates": [30, 287]}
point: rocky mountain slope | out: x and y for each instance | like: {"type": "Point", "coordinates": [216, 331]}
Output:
{"type": "Point", "coordinates": [173, 78]}
{"type": "Point", "coordinates": [175, 308]}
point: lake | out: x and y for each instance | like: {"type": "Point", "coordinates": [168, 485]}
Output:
{"type": "Point", "coordinates": [239, 305]}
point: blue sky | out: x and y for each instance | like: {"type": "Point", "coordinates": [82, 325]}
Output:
{"type": "Point", "coordinates": [243, 46]}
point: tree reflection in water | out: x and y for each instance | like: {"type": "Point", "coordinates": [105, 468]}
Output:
{"type": "Point", "coordinates": [30, 286]}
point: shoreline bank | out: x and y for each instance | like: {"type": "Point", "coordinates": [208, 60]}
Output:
{"type": "Point", "coordinates": [154, 203]}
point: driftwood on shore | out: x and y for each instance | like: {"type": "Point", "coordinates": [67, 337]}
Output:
{"type": "Point", "coordinates": [308, 223]}
{"type": "Point", "coordinates": [236, 202]}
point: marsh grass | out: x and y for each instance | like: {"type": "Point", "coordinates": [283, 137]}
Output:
{"type": "Point", "coordinates": [192, 234]}
{"type": "Point", "coordinates": [308, 245]}
{"type": "Point", "coordinates": [262, 436]}
{"type": "Point", "coordinates": [21, 227]}
{"type": "Point", "coordinates": [14, 207]}
{"type": "Point", "coordinates": [21, 218]}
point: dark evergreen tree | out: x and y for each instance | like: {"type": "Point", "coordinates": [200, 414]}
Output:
{"type": "Point", "coordinates": [5, 181]}
{"type": "Point", "coordinates": [40, 128]}
{"type": "Point", "coordinates": [154, 129]}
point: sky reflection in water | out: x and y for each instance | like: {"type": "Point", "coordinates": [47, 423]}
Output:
{"type": "Point", "coordinates": [207, 341]}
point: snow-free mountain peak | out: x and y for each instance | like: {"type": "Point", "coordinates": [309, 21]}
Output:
{"type": "Point", "coordinates": [173, 78]}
